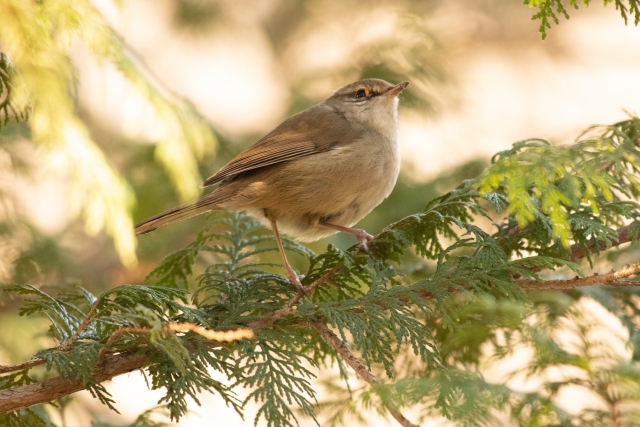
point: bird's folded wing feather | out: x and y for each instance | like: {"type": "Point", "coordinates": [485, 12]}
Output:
{"type": "Point", "coordinates": [313, 131]}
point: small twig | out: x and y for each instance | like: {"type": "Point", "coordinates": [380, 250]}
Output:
{"type": "Point", "coordinates": [357, 366]}
{"type": "Point", "coordinates": [288, 307]}
{"type": "Point", "coordinates": [324, 278]}
{"type": "Point", "coordinates": [85, 322]}
{"type": "Point", "coordinates": [4, 369]}
{"type": "Point", "coordinates": [210, 334]}
{"type": "Point", "coordinates": [63, 347]}
{"type": "Point", "coordinates": [327, 276]}
{"type": "Point", "coordinates": [611, 279]}
{"type": "Point", "coordinates": [115, 335]}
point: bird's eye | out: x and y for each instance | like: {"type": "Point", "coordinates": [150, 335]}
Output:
{"type": "Point", "coordinates": [361, 93]}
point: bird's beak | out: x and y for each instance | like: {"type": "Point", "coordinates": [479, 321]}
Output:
{"type": "Point", "coordinates": [395, 91]}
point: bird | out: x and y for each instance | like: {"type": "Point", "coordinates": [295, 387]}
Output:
{"type": "Point", "coordinates": [317, 173]}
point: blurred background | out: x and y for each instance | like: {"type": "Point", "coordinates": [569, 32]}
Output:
{"type": "Point", "coordinates": [165, 92]}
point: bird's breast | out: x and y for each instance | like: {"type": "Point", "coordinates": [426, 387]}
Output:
{"type": "Point", "coordinates": [348, 183]}
{"type": "Point", "coordinates": [340, 186]}
{"type": "Point", "coordinates": [377, 166]}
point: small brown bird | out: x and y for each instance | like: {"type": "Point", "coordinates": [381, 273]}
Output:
{"type": "Point", "coordinates": [317, 173]}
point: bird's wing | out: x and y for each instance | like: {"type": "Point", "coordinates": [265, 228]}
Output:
{"type": "Point", "coordinates": [312, 131]}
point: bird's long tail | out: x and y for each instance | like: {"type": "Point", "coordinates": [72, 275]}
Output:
{"type": "Point", "coordinates": [172, 215]}
{"type": "Point", "coordinates": [204, 204]}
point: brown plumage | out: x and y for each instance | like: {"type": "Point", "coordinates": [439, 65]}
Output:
{"type": "Point", "coordinates": [318, 172]}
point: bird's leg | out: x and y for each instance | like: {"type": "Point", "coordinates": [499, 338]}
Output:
{"type": "Point", "coordinates": [362, 236]}
{"type": "Point", "coordinates": [290, 273]}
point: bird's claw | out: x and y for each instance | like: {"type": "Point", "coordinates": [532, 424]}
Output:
{"type": "Point", "coordinates": [295, 280]}
{"type": "Point", "coordinates": [364, 237]}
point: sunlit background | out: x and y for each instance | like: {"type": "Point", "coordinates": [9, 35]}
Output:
{"type": "Point", "coordinates": [481, 79]}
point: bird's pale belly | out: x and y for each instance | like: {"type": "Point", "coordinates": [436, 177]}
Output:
{"type": "Point", "coordinates": [339, 187]}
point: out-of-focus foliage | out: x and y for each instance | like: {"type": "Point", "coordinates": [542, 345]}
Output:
{"type": "Point", "coordinates": [548, 10]}
{"type": "Point", "coordinates": [37, 37]}
{"type": "Point", "coordinates": [407, 51]}
{"type": "Point", "coordinates": [7, 110]}
{"type": "Point", "coordinates": [431, 336]}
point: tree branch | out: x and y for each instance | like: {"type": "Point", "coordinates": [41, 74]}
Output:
{"type": "Point", "coordinates": [17, 398]}
{"type": "Point", "coordinates": [117, 364]}
{"type": "Point", "coordinates": [5, 369]}
{"type": "Point", "coordinates": [360, 369]}
{"type": "Point", "coordinates": [577, 253]}
{"type": "Point", "coordinates": [85, 322]}
{"type": "Point", "coordinates": [108, 367]}
{"type": "Point", "coordinates": [611, 279]}
{"type": "Point", "coordinates": [289, 306]}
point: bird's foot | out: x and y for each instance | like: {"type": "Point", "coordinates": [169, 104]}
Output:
{"type": "Point", "coordinates": [364, 237]}
{"type": "Point", "coordinates": [295, 279]}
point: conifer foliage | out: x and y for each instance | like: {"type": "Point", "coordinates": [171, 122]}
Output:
{"type": "Point", "coordinates": [478, 272]}
{"type": "Point", "coordinates": [508, 263]}
{"type": "Point", "coordinates": [549, 10]}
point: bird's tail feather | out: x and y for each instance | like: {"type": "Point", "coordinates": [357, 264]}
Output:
{"type": "Point", "coordinates": [204, 204]}
{"type": "Point", "coordinates": [172, 215]}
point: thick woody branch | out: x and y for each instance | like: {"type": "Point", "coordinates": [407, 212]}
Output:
{"type": "Point", "coordinates": [109, 366]}
{"type": "Point", "coordinates": [357, 366]}
{"type": "Point", "coordinates": [17, 398]}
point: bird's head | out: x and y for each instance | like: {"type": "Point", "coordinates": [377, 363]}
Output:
{"type": "Point", "coordinates": [372, 102]}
